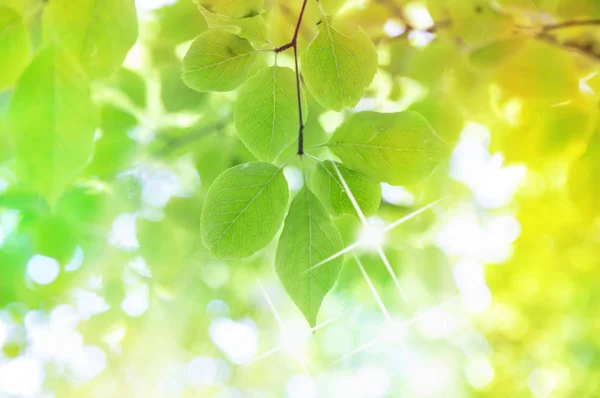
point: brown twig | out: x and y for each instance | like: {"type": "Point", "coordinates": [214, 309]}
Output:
{"type": "Point", "coordinates": [571, 24]}
{"type": "Point", "coordinates": [588, 48]}
{"type": "Point", "coordinates": [294, 44]}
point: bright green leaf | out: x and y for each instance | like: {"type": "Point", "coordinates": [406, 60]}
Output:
{"type": "Point", "coordinates": [539, 72]}
{"type": "Point", "coordinates": [253, 29]}
{"type": "Point", "coordinates": [308, 238]}
{"type": "Point", "coordinates": [218, 60]}
{"type": "Point", "coordinates": [496, 53]}
{"type": "Point", "coordinates": [329, 188]}
{"type": "Point", "coordinates": [14, 47]}
{"type": "Point", "coordinates": [338, 67]}
{"type": "Point", "coordinates": [243, 210]}
{"type": "Point", "coordinates": [98, 32]}
{"type": "Point", "coordinates": [398, 148]}
{"type": "Point", "coordinates": [179, 22]}
{"type": "Point", "coordinates": [266, 113]}
{"type": "Point", "coordinates": [233, 8]}
{"type": "Point", "coordinates": [54, 138]}
{"type": "Point", "coordinates": [584, 175]}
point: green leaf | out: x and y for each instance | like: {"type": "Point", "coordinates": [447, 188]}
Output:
{"type": "Point", "coordinates": [218, 60]}
{"type": "Point", "coordinates": [329, 188]}
{"type": "Point", "coordinates": [338, 67]}
{"type": "Point", "coordinates": [266, 113]}
{"type": "Point", "coordinates": [14, 46]}
{"type": "Point", "coordinates": [243, 210]}
{"type": "Point", "coordinates": [398, 148]}
{"type": "Point", "coordinates": [233, 8]}
{"type": "Point", "coordinates": [98, 32]}
{"type": "Point", "coordinates": [52, 120]}
{"type": "Point", "coordinates": [496, 53]}
{"type": "Point", "coordinates": [177, 23]}
{"type": "Point", "coordinates": [308, 238]}
{"type": "Point", "coordinates": [253, 29]}
{"type": "Point", "coordinates": [584, 174]}
{"type": "Point", "coordinates": [114, 150]}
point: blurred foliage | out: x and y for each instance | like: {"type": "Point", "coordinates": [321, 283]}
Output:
{"type": "Point", "coordinates": [107, 156]}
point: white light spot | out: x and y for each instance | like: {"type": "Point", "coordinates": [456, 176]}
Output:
{"type": "Point", "coordinates": [76, 261]}
{"type": "Point", "coordinates": [294, 177]}
{"type": "Point", "coordinates": [53, 337]}
{"type": "Point", "coordinates": [479, 372]}
{"type": "Point", "coordinates": [88, 303]}
{"type": "Point", "coordinates": [124, 232]}
{"type": "Point", "coordinates": [238, 340]}
{"type": "Point", "coordinates": [294, 338]}
{"type": "Point", "coordinates": [205, 371]}
{"type": "Point", "coordinates": [136, 301]}
{"type": "Point", "coordinates": [301, 386]}
{"type": "Point", "coordinates": [159, 187]}
{"type": "Point", "coordinates": [139, 265]}
{"type": "Point", "coordinates": [22, 376]}
{"type": "Point", "coordinates": [150, 5]}
{"type": "Point", "coordinates": [114, 337]}
{"type": "Point", "coordinates": [201, 371]}
{"type": "Point", "coordinates": [95, 282]}
{"type": "Point", "coordinates": [470, 280]}
{"type": "Point", "coordinates": [429, 378]}
{"type": "Point", "coordinates": [418, 15]}
{"type": "Point", "coordinates": [489, 240]}
{"type": "Point", "coordinates": [215, 274]}
{"type": "Point", "coordinates": [135, 58]}
{"type": "Point", "coordinates": [437, 324]}
{"type": "Point", "coordinates": [217, 308]}
{"type": "Point", "coordinates": [330, 120]}
{"type": "Point", "coordinates": [541, 382]}
{"type": "Point", "coordinates": [420, 38]}
{"type": "Point", "coordinates": [3, 185]}
{"type": "Point", "coordinates": [3, 332]}
{"type": "Point", "coordinates": [393, 28]}
{"type": "Point", "coordinates": [372, 381]}
{"type": "Point", "coordinates": [372, 236]}
{"type": "Point", "coordinates": [476, 132]}
{"type": "Point", "coordinates": [228, 392]}
{"type": "Point", "coordinates": [396, 195]}
{"type": "Point", "coordinates": [42, 270]}
{"type": "Point", "coordinates": [172, 381]}
{"type": "Point", "coordinates": [90, 362]}
{"type": "Point", "coordinates": [459, 235]}
{"type": "Point", "coordinates": [471, 163]}
{"type": "Point", "coordinates": [365, 104]}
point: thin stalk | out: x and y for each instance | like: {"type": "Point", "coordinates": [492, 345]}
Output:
{"type": "Point", "coordinates": [294, 44]}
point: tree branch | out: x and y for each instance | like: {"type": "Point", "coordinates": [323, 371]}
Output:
{"type": "Point", "coordinates": [294, 44]}
{"type": "Point", "coordinates": [571, 24]}
{"type": "Point", "coordinates": [588, 49]}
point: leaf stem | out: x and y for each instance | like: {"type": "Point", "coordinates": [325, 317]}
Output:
{"type": "Point", "coordinates": [571, 24]}
{"type": "Point", "coordinates": [294, 44]}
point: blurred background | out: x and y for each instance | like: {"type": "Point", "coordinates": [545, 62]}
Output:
{"type": "Point", "coordinates": [108, 291]}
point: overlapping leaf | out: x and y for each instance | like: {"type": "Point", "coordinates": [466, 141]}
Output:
{"type": "Point", "coordinates": [331, 189]}
{"type": "Point", "coordinates": [244, 209]}
{"type": "Point", "coordinates": [266, 113]}
{"type": "Point", "coordinates": [233, 8]}
{"type": "Point", "coordinates": [397, 148]}
{"type": "Point", "coordinates": [54, 136]}
{"type": "Point", "coordinates": [252, 28]}
{"type": "Point", "coordinates": [98, 32]}
{"type": "Point", "coordinates": [338, 66]}
{"type": "Point", "coordinates": [14, 46]}
{"type": "Point", "coordinates": [308, 238]}
{"type": "Point", "coordinates": [218, 60]}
